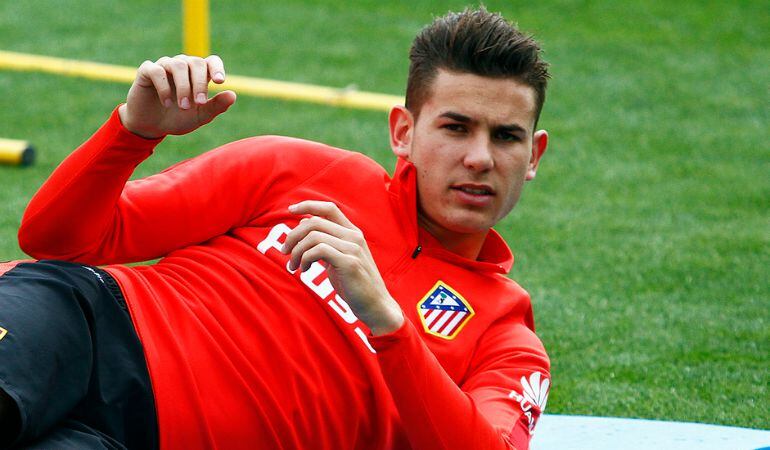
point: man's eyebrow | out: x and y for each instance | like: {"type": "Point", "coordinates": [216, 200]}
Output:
{"type": "Point", "coordinates": [509, 128]}
{"type": "Point", "coordinates": [512, 128]}
{"type": "Point", "coordinates": [456, 116]}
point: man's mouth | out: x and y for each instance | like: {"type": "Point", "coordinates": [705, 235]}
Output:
{"type": "Point", "coordinates": [474, 189]}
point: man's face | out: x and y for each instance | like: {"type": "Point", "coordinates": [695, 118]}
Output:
{"type": "Point", "coordinates": [473, 146]}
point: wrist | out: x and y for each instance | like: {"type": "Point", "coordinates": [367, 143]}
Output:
{"type": "Point", "coordinates": [387, 322]}
{"type": "Point", "coordinates": [125, 120]}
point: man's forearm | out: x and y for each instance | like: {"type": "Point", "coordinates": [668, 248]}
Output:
{"type": "Point", "coordinates": [434, 411]}
{"type": "Point", "coordinates": [75, 208]}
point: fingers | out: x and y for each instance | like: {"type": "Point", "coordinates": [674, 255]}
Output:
{"type": "Point", "coordinates": [216, 106]}
{"type": "Point", "coordinates": [327, 226]}
{"type": "Point", "coordinates": [151, 74]}
{"type": "Point", "coordinates": [216, 68]}
{"type": "Point", "coordinates": [320, 246]}
{"type": "Point", "coordinates": [199, 79]}
{"type": "Point", "coordinates": [180, 75]}
{"type": "Point", "coordinates": [182, 79]}
{"type": "Point", "coordinates": [316, 223]}
{"type": "Point", "coordinates": [327, 210]}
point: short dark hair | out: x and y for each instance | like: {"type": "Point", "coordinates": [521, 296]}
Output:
{"type": "Point", "coordinates": [477, 42]}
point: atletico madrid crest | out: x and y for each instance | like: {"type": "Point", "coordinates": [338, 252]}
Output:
{"type": "Point", "coordinates": [444, 312]}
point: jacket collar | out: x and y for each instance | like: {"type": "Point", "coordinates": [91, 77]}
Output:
{"type": "Point", "coordinates": [495, 255]}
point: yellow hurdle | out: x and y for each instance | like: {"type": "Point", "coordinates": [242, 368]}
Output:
{"type": "Point", "coordinates": [17, 153]}
{"type": "Point", "coordinates": [195, 27]}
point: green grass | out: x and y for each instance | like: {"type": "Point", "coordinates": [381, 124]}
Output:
{"type": "Point", "coordinates": [645, 239]}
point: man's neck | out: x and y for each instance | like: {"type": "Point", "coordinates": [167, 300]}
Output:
{"type": "Point", "coordinates": [467, 245]}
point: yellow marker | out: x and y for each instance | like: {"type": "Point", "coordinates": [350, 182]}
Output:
{"type": "Point", "coordinates": [17, 153]}
{"type": "Point", "coordinates": [195, 28]}
{"type": "Point", "coordinates": [3, 332]}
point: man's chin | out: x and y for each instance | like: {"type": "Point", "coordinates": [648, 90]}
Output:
{"type": "Point", "coordinates": [461, 223]}
{"type": "Point", "coordinates": [469, 225]}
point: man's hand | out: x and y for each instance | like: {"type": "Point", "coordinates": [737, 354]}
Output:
{"type": "Point", "coordinates": [170, 96]}
{"type": "Point", "coordinates": [329, 236]}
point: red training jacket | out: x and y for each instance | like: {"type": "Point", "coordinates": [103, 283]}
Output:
{"type": "Point", "coordinates": [243, 353]}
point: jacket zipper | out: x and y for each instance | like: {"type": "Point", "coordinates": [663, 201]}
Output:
{"type": "Point", "coordinates": [403, 264]}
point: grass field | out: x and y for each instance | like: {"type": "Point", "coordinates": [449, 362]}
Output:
{"type": "Point", "coordinates": [645, 240]}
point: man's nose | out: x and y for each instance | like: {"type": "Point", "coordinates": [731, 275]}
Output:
{"type": "Point", "coordinates": [478, 156]}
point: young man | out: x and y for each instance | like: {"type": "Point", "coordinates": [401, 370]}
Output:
{"type": "Point", "coordinates": [305, 299]}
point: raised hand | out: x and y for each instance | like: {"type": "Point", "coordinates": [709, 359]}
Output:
{"type": "Point", "coordinates": [329, 236]}
{"type": "Point", "coordinates": [170, 96]}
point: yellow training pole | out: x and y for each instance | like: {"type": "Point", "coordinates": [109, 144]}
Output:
{"type": "Point", "coordinates": [258, 87]}
{"type": "Point", "coordinates": [195, 27]}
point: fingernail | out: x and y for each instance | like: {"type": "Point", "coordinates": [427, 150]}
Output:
{"type": "Point", "coordinates": [283, 249]}
{"type": "Point", "coordinates": [219, 77]}
{"type": "Point", "coordinates": [185, 103]}
{"type": "Point", "coordinates": [201, 98]}
{"type": "Point", "coordinates": [168, 103]}
{"type": "Point", "coordinates": [292, 208]}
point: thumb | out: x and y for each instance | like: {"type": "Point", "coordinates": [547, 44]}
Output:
{"type": "Point", "coordinates": [217, 105]}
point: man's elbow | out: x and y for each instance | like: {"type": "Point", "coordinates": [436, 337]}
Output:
{"type": "Point", "coordinates": [49, 245]}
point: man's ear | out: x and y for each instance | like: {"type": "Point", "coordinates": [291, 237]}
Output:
{"type": "Point", "coordinates": [539, 144]}
{"type": "Point", "coordinates": [401, 124]}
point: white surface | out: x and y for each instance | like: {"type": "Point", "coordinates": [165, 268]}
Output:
{"type": "Point", "coordinates": [557, 432]}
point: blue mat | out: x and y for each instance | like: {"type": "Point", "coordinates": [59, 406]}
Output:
{"type": "Point", "coordinates": [557, 432]}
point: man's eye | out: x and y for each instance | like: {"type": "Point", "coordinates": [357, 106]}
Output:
{"type": "Point", "coordinates": [507, 137]}
{"type": "Point", "coordinates": [454, 127]}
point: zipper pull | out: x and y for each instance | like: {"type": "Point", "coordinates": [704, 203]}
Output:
{"type": "Point", "coordinates": [416, 251]}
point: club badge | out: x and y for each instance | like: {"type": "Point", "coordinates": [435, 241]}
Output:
{"type": "Point", "coordinates": [443, 311]}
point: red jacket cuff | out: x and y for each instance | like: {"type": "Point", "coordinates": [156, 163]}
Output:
{"type": "Point", "coordinates": [385, 342]}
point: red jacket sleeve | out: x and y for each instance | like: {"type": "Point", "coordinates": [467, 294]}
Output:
{"type": "Point", "coordinates": [495, 407]}
{"type": "Point", "coordinates": [88, 212]}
